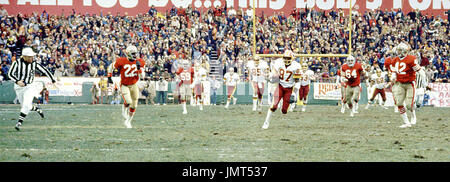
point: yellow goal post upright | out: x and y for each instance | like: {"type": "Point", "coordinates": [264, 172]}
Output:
{"type": "Point", "coordinates": [303, 55]}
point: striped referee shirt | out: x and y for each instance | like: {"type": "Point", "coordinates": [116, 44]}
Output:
{"type": "Point", "coordinates": [21, 70]}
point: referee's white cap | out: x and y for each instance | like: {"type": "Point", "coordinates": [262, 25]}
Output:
{"type": "Point", "coordinates": [28, 52]}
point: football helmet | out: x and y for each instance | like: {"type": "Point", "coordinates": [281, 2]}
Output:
{"type": "Point", "coordinates": [131, 52]}
{"type": "Point", "coordinates": [351, 61]}
{"type": "Point", "coordinates": [288, 57]}
{"type": "Point", "coordinates": [231, 70]}
{"type": "Point", "coordinates": [378, 72]}
{"type": "Point", "coordinates": [256, 60]}
{"type": "Point", "coordinates": [305, 66]}
{"type": "Point", "coordinates": [186, 64]}
{"type": "Point", "coordinates": [402, 49]}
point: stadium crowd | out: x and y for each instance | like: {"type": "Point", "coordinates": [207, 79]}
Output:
{"type": "Point", "coordinates": [77, 44]}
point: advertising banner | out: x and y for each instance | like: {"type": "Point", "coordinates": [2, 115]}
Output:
{"type": "Point", "coordinates": [268, 7]}
{"type": "Point", "coordinates": [439, 95]}
{"type": "Point", "coordinates": [327, 91]}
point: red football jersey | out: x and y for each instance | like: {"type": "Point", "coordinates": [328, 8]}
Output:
{"type": "Point", "coordinates": [129, 74]}
{"type": "Point", "coordinates": [388, 64]}
{"type": "Point", "coordinates": [353, 74]}
{"type": "Point", "coordinates": [406, 68]}
{"type": "Point", "coordinates": [186, 76]}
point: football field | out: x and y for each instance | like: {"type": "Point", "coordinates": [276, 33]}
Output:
{"type": "Point", "coordinates": [162, 133]}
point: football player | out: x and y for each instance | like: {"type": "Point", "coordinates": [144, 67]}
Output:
{"type": "Point", "coordinates": [378, 82]}
{"type": "Point", "coordinates": [306, 76]}
{"type": "Point", "coordinates": [389, 67]}
{"type": "Point", "coordinates": [231, 80]}
{"type": "Point", "coordinates": [405, 68]}
{"type": "Point", "coordinates": [258, 72]}
{"type": "Point", "coordinates": [131, 68]}
{"type": "Point", "coordinates": [199, 80]}
{"type": "Point", "coordinates": [186, 75]}
{"type": "Point", "coordinates": [339, 77]}
{"type": "Point", "coordinates": [287, 72]}
{"type": "Point", "coordinates": [352, 71]}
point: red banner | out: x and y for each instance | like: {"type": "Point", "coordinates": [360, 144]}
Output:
{"type": "Point", "coordinates": [133, 7]}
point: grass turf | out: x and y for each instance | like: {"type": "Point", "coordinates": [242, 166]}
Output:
{"type": "Point", "coordinates": [162, 133]}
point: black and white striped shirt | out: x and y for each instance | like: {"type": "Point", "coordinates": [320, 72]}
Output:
{"type": "Point", "coordinates": [21, 70]}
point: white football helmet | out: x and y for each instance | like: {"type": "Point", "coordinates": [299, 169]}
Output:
{"type": "Point", "coordinates": [288, 57]}
{"type": "Point", "coordinates": [379, 72]}
{"type": "Point", "coordinates": [186, 64]}
{"type": "Point", "coordinates": [131, 52]}
{"type": "Point", "coordinates": [305, 66]}
{"type": "Point", "coordinates": [402, 49]}
{"type": "Point", "coordinates": [256, 59]}
{"type": "Point", "coordinates": [231, 70]}
{"type": "Point", "coordinates": [351, 61]}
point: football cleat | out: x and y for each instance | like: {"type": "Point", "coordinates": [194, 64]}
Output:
{"type": "Point", "coordinates": [18, 125]}
{"type": "Point", "coordinates": [184, 112]}
{"type": "Point", "coordinates": [407, 125]}
{"type": "Point", "coordinates": [265, 125]}
{"type": "Point", "coordinates": [292, 99]}
{"type": "Point", "coordinates": [303, 109]}
{"type": "Point", "coordinates": [40, 112]}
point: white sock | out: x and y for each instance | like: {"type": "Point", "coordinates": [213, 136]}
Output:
{"type": "Point", "coordinates": [269, 114]}
{"type": "Point", "coordinates": [234, 101]}
{"type": "Point", "coordinates": [255, 102]}
{"type": "Point", "coordinates": [228, 103]}
{"type": "Point", "coordinates": [413, 114]}
{"type": "Point", "coordinates": [304, 107]}
{"type": "Point", "coordinates": [184, 106]}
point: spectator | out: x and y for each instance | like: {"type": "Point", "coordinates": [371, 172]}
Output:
{"type": "Point", "coordinates": [103, 84]}
{"type": "Point", "coordinates": [101, 71]}
{"type": "Point", "coordinates": [44, 96]}
{"type": "Point", "coordinates": [161, 91]}
{"type": "Point", "coordinates": [215, 84]}
{"type": "Point", "coordinates": [95, 93]}
{"type": "Point", "coordinates": [115, 95]}
{"type": "Point", "coordinates": [151, 90]}
{"type": "Point", "coordinates": [442, 76]}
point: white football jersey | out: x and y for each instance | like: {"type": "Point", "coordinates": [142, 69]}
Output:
{"type": "Point", "coordinates": [200, 75]}
{"type": "Point", "coordinates": [306, 77]}
{"type": "Point", "coordinates": [287, 74]}
{"type": "Point", "coordinates": [231, 79]}
{"type": "Point", "coordinates": [380, 81]}
{"type": "Point", "coordinates": [259, 72]}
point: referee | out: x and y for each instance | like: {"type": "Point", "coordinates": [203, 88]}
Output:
{"type": "Point", "coordinates": [22, 73]}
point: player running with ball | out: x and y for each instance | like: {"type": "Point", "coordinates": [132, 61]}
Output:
{"type": "Point", "coordinates": [130, 70]}
{"type": "Point", "coordinates": [288, 73]}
